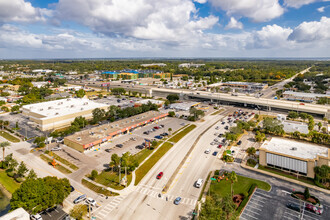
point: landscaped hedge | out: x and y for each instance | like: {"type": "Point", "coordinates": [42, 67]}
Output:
{"type": "Point", "coordinates": [246, 199]}
{"type": "Point", "coordinates": [301, 193]}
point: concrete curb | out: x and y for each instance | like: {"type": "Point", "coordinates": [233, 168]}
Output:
{"type": "Point", "coordinates": [286, 179]}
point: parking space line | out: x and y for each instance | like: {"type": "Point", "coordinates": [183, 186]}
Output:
{"type": "Point", "coordinates": [253, 208]}
{"type": "Point", "coordinates": [256, 200]}
{"type": "Point", "coordinates": [309, 216]}
{"type": "Point", "coordinates": [257, 192]}
{"type": "Point", "coordinates": [288, 213]}
{"type": "Point", "coordinates": [248, 209]}
{"type": "Point", "coordinates": [260, 196]}
{"type": "Point", "coordinates": [257, 204]}
{"type": "Point", "coordinates": [250, 215]}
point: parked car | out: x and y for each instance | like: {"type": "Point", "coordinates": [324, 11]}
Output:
{"type": "Point", "coordinates": [156, 127]}
{"type": "Point", "coordinates": [119, 145]}
{"type": "Point", "coordinates": [160, 175]}
{"type": "Point", "coordinates": [72, 188]}
{"type": "Point", "coordinates": [133, 139]}
{"type": "Point", "coordinates": [239, 142]}
{"type": "Point", "coordinates": [219, 146]}
{"type": "Point", "coordinates": [36, 217]}
{"type": "Point", "coordinates": [158, 137]}
{"type": "Point", "coordinates": [226, 127]}
{"type": "Point", "coordinates": [207, 151]}
{"type": "Point", "coordinates": [315, 209]}
{"type": "Point", "coordinates": [215, 153]}
{"type": "Point", "coordinates": [164, 134]}
{"type": "Point", "coordinates": [58, 148]}
{"type": "Point", "coordinates": [60, 140]}
{"type": "Point", "coordinates": [91, 201]}
{"type": "Point", "coordinates": [223, 123]}
{"type": "Point", "coordinates": [108, 150]}
{"type": "Point", "coordinates": [177, 201]}
{"type": "Point", "coordinates": [293, 207]}
{"type": "Point", "coordinates": [146, 132]}
{"type": "Point", "coordinates": [79, 199]}
{"type": "Point", "coordinates": [161, 126]}
{"type": "Point", "coordinates": [139, 146]}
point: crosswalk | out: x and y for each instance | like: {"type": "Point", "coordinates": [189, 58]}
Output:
{"type": "Point", "coordinates": [102, 213]}
{"type": "Point", "coordinates": [155, 194]}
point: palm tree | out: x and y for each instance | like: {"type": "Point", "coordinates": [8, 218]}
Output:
{"type": "Point", "coordinates": [6, 123]}
{"type": "Point", "coordinates": [1, 123]}
{"type": "Point", "coordinates": [233, 179]}
{"type": "Point", "coordinates": [3, 145]}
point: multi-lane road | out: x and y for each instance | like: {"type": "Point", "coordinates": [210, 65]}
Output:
{"type": "Point", "coordinates": [146, 201]}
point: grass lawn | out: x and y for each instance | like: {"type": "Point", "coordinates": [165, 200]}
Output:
{"type": "Point", "coordinates": [285, 174]}
{"type": "Point", "coordinates": [9, 137]}
{"type": "Point", "coordinates": [242, 185]}
{"type": "Point", "coordinates": [143, 154]}
{"type": "Point", "coordinates": [98, 189]}
{"type": "Point", "coordinates": [147, 165]}
{"type": "Point", "coordinates": [217, 112]}
{"type": "Point", "coordinates": [9, 183]}
{"type": "Point", "coordinates": [182, 133]}
{"type": "Point", "coordinates": [111, 179]}
{"type": "Point", "coordinates": [58, 167]}
{"type": "Point", "coordinates": [60, 159]}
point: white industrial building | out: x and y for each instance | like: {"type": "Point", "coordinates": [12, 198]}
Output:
{"type": "Point", "coordinates": [293, 156]}
{"type": "Point", "coordinates": [39, 84]}
{"type": "Point", "coordinates": [292, 126]}
{"type": "Point", "coordinates": [60, 113]}
{"type": "Point", "coordinates": [154, 64]}
{"type": "Point", "coordinates": [303, 96]}
{"type": "Point", "coordinates": [184, 106]}
{"type": "Point", "coordinates": [188, 65]}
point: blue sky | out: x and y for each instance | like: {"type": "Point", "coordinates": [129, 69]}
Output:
{"type": "Point", "coordinates": [164, 28]}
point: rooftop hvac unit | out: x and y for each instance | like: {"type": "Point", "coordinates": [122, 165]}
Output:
{"type": "Point", "coordinates": [50, 107]}
{"type": "Point", "coordinates": [72, 106]}
{"type": "Point", "coordinates": [294, 148]}
{"type": "Point", "coordinates": [56, 113]}
{"type": "Point", "coordinates": [41, 109]}
{"type": "Point", "coordinates": [68, 99]}
{"type": "Point", "coordinates": [82, 109]}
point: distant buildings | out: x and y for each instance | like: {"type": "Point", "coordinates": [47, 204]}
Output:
{"type": "Point", "coordinates": [292, 156]}
{"type": "Point", "coordinates": [154, 64]}
{"type": "Point", "coordinates": [42, 71]}
{"type": "Point", "coordinates": [303, 96]}
{"type": "Point", "coordinates": [60, 113]}
{"type": "Point", "coordinates": [39, 84]}
{"type": "Point", "coordinates": [245, 86]}
{"type": "Point", "coordinates": [188, 65]}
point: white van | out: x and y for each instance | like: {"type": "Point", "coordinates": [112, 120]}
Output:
{"type": "Point", "coordinates": [199, 183]}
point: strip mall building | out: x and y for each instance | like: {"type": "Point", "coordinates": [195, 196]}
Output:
{"type": "Point", "coordinates": [95, 137]}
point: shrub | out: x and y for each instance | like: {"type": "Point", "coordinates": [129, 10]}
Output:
{"type": "Point", "coordinates": [306, 193]}
{"type": "Point", "coordinates": [19, 180]}
{"type": "Point", "coordinates": [11, 174]}
{"type": "Point", "coordinates": [46, 151]}
{"type": "Point", "coordinates": [217, 172]}
{"type": "Point", "coordinates": [251, 162]}
{"type": "Point", "coordinates": [94, 174]}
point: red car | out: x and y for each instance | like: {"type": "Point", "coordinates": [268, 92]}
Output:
{"type": "Point", "coordinates": [219, 146]}
{"type": "Point", "coordinates": [160, 175]}
{"type": "Point", "coordinates": [156, 127]}
{"type": "Point", "coordinates": [315, 209]}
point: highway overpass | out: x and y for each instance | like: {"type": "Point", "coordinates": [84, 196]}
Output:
{"type": "Point", "coordinates": [246, 100]}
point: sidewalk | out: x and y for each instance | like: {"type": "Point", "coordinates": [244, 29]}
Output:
{"type": "Point", "coordinates": [286, 179]}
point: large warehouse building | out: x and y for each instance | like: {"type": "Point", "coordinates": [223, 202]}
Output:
{"type": "Point", "coordinates": [88, 139]}
{"type": "Point", "coordinates": [60, 113]}
{"type": "Point", "coordinates": [292, 156]}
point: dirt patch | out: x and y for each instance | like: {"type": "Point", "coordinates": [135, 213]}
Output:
{"type": "Point", "coordinates": [310, 199]}
{"type": "Point", "coordinates": [237, 199]}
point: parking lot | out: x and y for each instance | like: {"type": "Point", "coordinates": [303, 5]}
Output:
{"type": "Point", "coordinates": [27, 128]}
{"type": "Point", "coordinates": [272, 205]}
{"type": "Point", "coordinates": [54, 214]}
{"type": "Point", "coordinates": [130, 141]}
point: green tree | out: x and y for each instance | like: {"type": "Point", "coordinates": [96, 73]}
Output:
{"type": "Point", "coordinates": [32, 175]}
{"type": "Point", "coordinates": [303, 115]}
{"type": "Point", "coordinates": [170, 131]}
{"type": "Point", "coordinates": [4, 145]}
{"type": "Point", "coordinates": [98, 115]}
{"type": "Point", "coordinates": [272, 126]}
{"type": "Point", "coordinates": [80, 93]}
{"type": "Point", "coordinates": [172, 98]}
{"type": "Point", "coordinates": [115, 161]}
{"type": "Point", "coordinates": [118, 91]}
{"type": "Point", "coordinates": [79, 122]}
{"type": "Point", "coordinates": [251, 151]}
{"type": "Point", "coordinates": [93, 174]}
{"type": "Point", "coordinates": [40, 141]}
{"type": "Point", "coordinates": [260, 136]}
{"type": "Point", "coordinates": [233, 179]}
{"type": "Point", "coordinates": [12, 165]}
{"type": "Point", "coordinates": [293, 115]}
{"type": "Point", "coordinates": [322, 173]}
{"type": "Point", "coordinates": [319, 125]}
{"type": "Point", "coordinates": [306, 193]}
{"type": "Point", "coordinates": [22, 169]}
{"type": "Point", "coordinates": [35, 195]}
{"type": "Point", "coordinates": [171, 113]}
{"type": "Point", "coordinates": [78, 211]}
{"type": "Point", "coordinates": [15, 108]}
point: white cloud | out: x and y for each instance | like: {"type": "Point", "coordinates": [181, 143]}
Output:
{"type": "Point", "coordinates": [321, 9]}
{"type": "Point", "coordinates": [172, 21]}
{"type": "Point", "coordinates": [312, 31]}
{"type": "Point", "coordinates": [270, 36]}
{"type": "Point", "coordinates": [201, 1]}
{"type": "Point", "coordinates": [256, 10]}
{"type": "Point", "coordinates": [299, 3]}
{"type": "Point", "coordinates": [21, 11]}
{"type": "Point", "coordinates": [234, 24]}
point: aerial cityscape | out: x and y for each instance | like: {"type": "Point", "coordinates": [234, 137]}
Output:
{"type": "Point", "coordinates": [165, 110]}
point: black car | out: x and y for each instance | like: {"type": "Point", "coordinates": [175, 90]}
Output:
{"type": "Point", "coordinates": [146, 132]}
{"type": "Point", "coordinates": [119, 145]}
{"type": "Point", "coordinates": [223, 123]}
{"type": "Point", "coordinates": [139, 146]}
{"type": "Point", "coordinates": [239, 142]}
{"type": "Point", "coordinates": [164, 134]}
{"type": "Point", "coordinates": [293, 207]}
{"type": "Point", "coordinates": [72, 188]}
{"type": "Point", "coordinates": [108, 150]}
{"type": "Point", "coordinates": [226, 127]}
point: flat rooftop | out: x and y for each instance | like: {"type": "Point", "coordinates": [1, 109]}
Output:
{"type": "Point", "coordinates": [305, 94]}
{"type": "Point", "coordinates": [294, 148]}
{"type": "Point", "coordinates": [62, 107]}
{"type": "Point", "coordinates": [102, 131]}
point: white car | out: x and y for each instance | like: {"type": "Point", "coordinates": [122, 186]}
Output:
{"type": "Point", "coordinates": [36, 217]}
{"type": "Point", "coordinates": [207, 151]}
{"type": "Point", "coordinates": [91, 201]}
{"type": "Point", "coordinates": [56, 148]}
{"type": "Point", "coordinates": [199, 183]}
